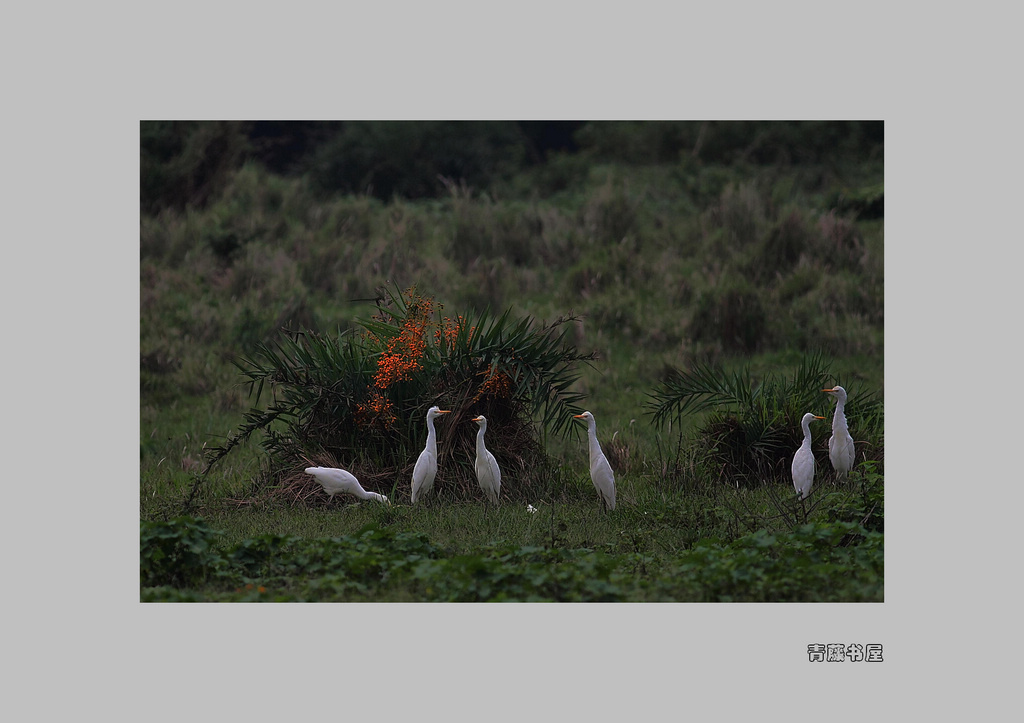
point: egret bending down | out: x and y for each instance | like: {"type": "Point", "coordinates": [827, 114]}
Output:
{"type": "Point", "coordinates": [600, 471]}
{"type": "Point", "coordinates": [487, 472]}
{"type": "Point", "coordinates": [426, 466]}
{"type": "Point", "coordinates": [840, 444]}
{"type": "Point", "coordinates": [803, 460]}
{"type": "Point", "coordinates": [339, 481]}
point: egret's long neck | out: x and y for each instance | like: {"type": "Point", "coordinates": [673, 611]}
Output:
{"type": "Point", "coordinates": [595, 446]}
{"type": "Point", "coordinates": [431, 436]}
{"type": "Point", "coordinates": [807, 433]}
{"type": "Point", "coordinates": [839, 418]}
{"type": "Point", "coordinates": [480, 449]}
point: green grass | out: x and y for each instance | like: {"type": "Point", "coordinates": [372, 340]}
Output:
{"type": "Point", "coordinates": [568, 549]}
{"type": "Point", "coordinates": [656, 546]}
{"type": "Point", "coordinates": [661, 263]}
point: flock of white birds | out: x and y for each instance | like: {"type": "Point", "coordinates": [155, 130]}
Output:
{"type": "Point", "coordinates": [488, 473]}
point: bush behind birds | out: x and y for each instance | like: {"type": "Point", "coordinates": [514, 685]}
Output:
{"type": "Point", "coordinates": [358, 400]}
{"type": "Point", "coordinates": [753, 428]}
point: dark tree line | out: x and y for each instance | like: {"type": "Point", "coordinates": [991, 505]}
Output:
{"type": "Point", "coordinates": [186, 162]}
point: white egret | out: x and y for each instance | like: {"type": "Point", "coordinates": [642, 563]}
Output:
{"type": "Point", "coordinates": [803, 460]}
{"type": "Point", "coordinates": [840, 444]}
{"type": "Point", "coordinates": [600, 471]}
{"type": "Point", "coordinates": [338, 481]}
{"type": "Point", "coordinates": [426, 466]}
{"type": "Point", "coordinates": [487, 472]}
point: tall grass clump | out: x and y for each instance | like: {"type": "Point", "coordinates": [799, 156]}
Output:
{"type": "Point", "coordinates": [747, 432]}
{"type": "Point", "coordinates": [730, 317]}
{"type": "Point", "coordinates": [358, 399]}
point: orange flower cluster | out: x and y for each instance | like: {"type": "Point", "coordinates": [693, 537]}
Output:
{"type": "Point", "coordinates": [498, 384]}
{"type": "Point", "coordinates": [404, 351]}
{"type": "Point", "coordinates": [394, 366]}
{"type": "Point", "coordinates": [400, 359]}
{"type": "Point", "coordinates": [447, 333]}
{"type": "Point", "coordinates": [403, 354]}
{"type": "Point", "coordinates": [378, 410]}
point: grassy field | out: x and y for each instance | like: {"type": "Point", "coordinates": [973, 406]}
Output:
{"type": "Point", "coordinates": [743, 267]}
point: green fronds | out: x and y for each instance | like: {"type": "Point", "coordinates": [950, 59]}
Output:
{"type": "Point", "coordinates": [752, 429]}
{"type": "Point", "coordinates": [359, 399]}
{"type": "Point", "coordinates": [702, 387]}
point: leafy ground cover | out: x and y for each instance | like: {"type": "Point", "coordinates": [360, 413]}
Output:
{"type": "Point", "coordinates": [816, 562]}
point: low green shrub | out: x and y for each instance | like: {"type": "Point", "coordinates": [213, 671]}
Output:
{"type": "Point", "coordinates": [838, 561]}
{"type": "Point", "coordinates": [753, 429]}
{"type": "Point", "coordinates": [178, 553]}
{"type": "Point", "coordinates": [813, 563]}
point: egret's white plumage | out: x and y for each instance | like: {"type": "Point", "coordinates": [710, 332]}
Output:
{"type": "Point", "coordinates": [487, 472]}
{"type": "Point", "coordinates": [803, 460]}
{"type": "Point", "coordinates": [840, 444]}
{"type": "Point", "coordinates": [426, 466]}
{"type": "Point", "coordinates": [600, 471]}
{"type": "Point", "coordinates": [338, 481]}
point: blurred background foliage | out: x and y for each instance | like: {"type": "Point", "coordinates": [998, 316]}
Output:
{"type": "Point", "coordinates": [188, 162]}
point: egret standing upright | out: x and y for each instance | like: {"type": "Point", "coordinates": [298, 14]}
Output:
{"type": "Point", "coordinates": [487, 472]}
{"type": "Point", "coordinates": [426, 466]}
{"type": "Point", "coordinates": [803, 461]}
{"type": "Point", "coordinates": [600, 471]}
{"type": "Point", "coordinates": [840, 444]}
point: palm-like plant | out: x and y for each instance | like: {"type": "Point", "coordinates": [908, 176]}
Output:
{"type": "Point", "coordinates": [750, 430]}
{"type": "Point", "coordinates": [358, 399]}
